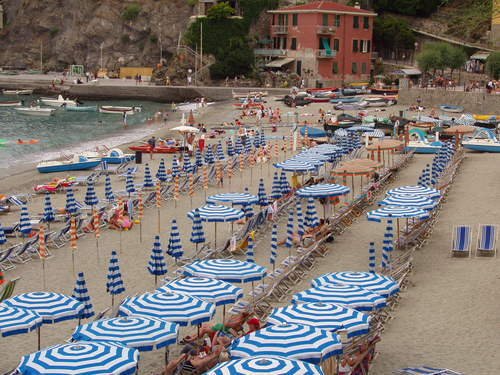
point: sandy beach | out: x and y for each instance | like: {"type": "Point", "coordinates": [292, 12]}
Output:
{"type": "Point", "coordinates": [447, 317]}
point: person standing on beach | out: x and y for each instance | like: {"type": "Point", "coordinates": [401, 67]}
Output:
{"type": "Point", "coordinates": [124, 119]}
{"type": "Point", "coordinates": [152, 145]}
{"type": "Point", "coordinates": [201, 142]}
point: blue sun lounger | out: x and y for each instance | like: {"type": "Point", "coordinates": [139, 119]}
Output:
{"type": "Point", "coordinates": [461, 241]}
{"type": "Point", "coordinates": [487, 240]}
{"type": "Point", "coordinates": [426, 370]}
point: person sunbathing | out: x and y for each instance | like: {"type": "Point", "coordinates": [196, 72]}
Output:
{"type": "Point", "coordinates": [233, 324]}
{"type": "Point", "coordinates": [120, 222]}
{"type": "Point", "coordinates": [192, 361]}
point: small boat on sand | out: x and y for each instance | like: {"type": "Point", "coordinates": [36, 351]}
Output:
{"type": "Point", "coordinates": [312, 132]}
{"type": "Point", "coordinates": [90, 108]}
{"type": "Point", "coordinates": [451, 108]}
{"type": "Point", "coordinates": [484, 140]}
{"type": "Point", "coordinates": [420, 144]}
{"type": "Point", "coordinates": [35, 111]}
{"type": "Point", "coordinates": [385, 91]}
{"type": "Point", "coordinates": [77, 163]}
{"type": "Point", "coordinates": [58, 102]}
{"type": "Point", "coordinates": [18, 92]}
{"type": "Point", "coordinates": [15, 103]}
{"type": "Point", "coordinates": [118, 110]}
{"type": "Point", "coordinates": [110, 156]}
{"type": "Point", "coordinates": [258, 94]}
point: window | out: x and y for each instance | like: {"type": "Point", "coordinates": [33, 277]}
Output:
{"type": "Point", "coordinates": [366, 22]}
{"type": "Point", "coordinates": [325, 19]}
{"type": "Point", "coordinates": [324, 43]}
{"type": "Point", "coordinates": [355, 22]}
{"type": "Point", "coordinates": [295, 19]}
{"type": "Point", "coordinates": [335, 67]}
{"type": "Point", "coordinates": [355, 46]}
{"type": "Point", "coordinates": [298, 67]}
{"type": "Point", "coordinates": [283, 43]}
{"type": "Point", "coordinates": [293, 44]}
{"type": "Point", "coordinates": [369, 46]}
{"type": "Point", "coordinates": [354, 68]}
{"type": "Point", "coordinates": [337, 20]}
{"type": "Point", "coordinates": [363, 68]}
{"type": "Point", "coordinates": [336, 45]}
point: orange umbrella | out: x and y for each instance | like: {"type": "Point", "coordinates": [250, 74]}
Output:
{"type": "Point", "coordinates": [276, 151]}
{"type": "Point", "coordinates": [242, 163]}
{"type": "Point", "coordinates": [43, 253]}
{"type": "Point", "coordinates": [157, 196]}
{"type": "Point", "coordinates": [96, 223]}
{"type": "Point", "coordinates": [191, 188]}
{"type": "Point", "coordinates": [140, 209]}
{"type": "Point", "coordinates": [460, 129]}
{"type": "Point", "coordinates": [352, 170]}
{"type": "Point", "coordinates": [230, 170]}
{"type": "Point", "coordinates": [219, 173]}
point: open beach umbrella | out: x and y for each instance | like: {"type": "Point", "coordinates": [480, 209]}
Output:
{"type": "Point", "coordinates": [292, 341]}
{"type": "Point", "coordinates": [173, 307]}
{"type": "Point", "coordinates": [157, 265]}
{"type": "Point", "coordinates": [129, 183]}
{"type": "Point", "coordinates": [108, 189]}
{"type": "Point", "coordinates": [16, 321]}
{"type": "Point", "coordinates": [176, 169]}
{"type": "Point", "coordinates": [263, 201]}
{"type": "Point", "coordinates": [416, 190]}
{"type": "Point", "coordinates": [311, 219]}
{"type": "Point", "coordinates": [161, 174]}
{"type": "Point", "coordinates": [250, 250]}
{"type": "Point", "coordinates": [197, 233]}
{"type": "Point", "coordinates": [295, 166]}
{"type": "Point", "coordinates": [114, 284]}
{"type": "Point", "coordinates": [90, 195]}
{"type": "Point", "coordinates": [265, 365]}
{"type": "Point", "coordinates": [233, 198]}
{"type": "Point", "coordinates": [320, 315]}
{"type": "Point", "coordinates": [276, 188]}
{"type": "Point", "coordinates": [81, 294]}
{"type": "Point", "coordinates": [289, 230]}
{"type": "Point", "coordinates": [284, 185]}
{"type": "Point", "coordinates": [372, 258]}
{"type": "Point", "coordinates": [138, 332]}
{"type": "Point", "coordinates": [96, 358]}
{"type": "Point", "coordinates": [383, 285]}
{"type": "Point", "coordinates": [25, 222]}
{"type": "Point", "coordinates": [388, 212]}
{"type": "Point", "coordinates": [274, 245]}
{"type": "Point", "coordinates": [409, 200]}
{"type": "Point", "coordinates": [351, 296]}
{"type": "Point", "coordinates": [48, 210]}
{"type": "Point", "coordinates": [323, 191]}
{"type": "Point", "coordinates": [148, 179]}
{"type": "Point", "coordinates": [175, 249]}
{"type": "Point", "coordinates": [214, 291]}
{"type": "Point", "coordinates": [209, 156]}
{"type": "Point", "coordinates": [230, 270]}
{"type": "Point", "coordinates": [301, 230]}
{"type": "Point", "coordinates": [198, 158]}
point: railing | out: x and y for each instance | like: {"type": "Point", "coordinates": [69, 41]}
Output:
{"type": "Point", "coordinates": [269, 52]}
{"type": "Point", "coordinates": [280, 29]}
{"type": "Point", "coordinates": [328, 30]}
{"type": "Point", "coordinates": [324, 54]}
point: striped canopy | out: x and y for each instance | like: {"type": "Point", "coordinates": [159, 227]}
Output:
{"type": "Point", "coordinates": [284, 185]}
{"type": "Point", "coordinates": [96, 358]}
{"type": "Point", "coordinates": [14, 321]}
{"type": "Point", "coordinates": [394, 212]}
{"type": "Point", "coordinates": [276, 187]}
{"type": "Point", "coordinates": [48, 210]}
{"type": "Point", "coordinates": [209, 156]}
{"type": "Point", "coordinates": [230, 270]}
{"type": "Point", "coordinates": [108, 189]}
{"type": "Point", "coordinates": [314, 159]}
{"type": "Point", "coordinates": [295, 166]}
{"type": "Point", "coordinates": [311, 218]}
{"type": "Point", "coordinates": [187, 166]}
{"type": "Point", "coordinates": [274, 244]}
{"type": "Point", "coordinates": [230, 147]}
{"type": "Point", "coordinates": [323, 316]}
{"type": "Point", "coordinates": [383, 285]}
{"type": "Point", "coordinates": [234, 198]}
{"type": "Point", "coordinates": [176, 170]}
{"type": "Point", "coordinates": [173, 307]}
{"type": "Point", "coordinates": [375, 133]}
{"type": "Point", "coordinates": [323, 191]}
{"type": "Point", "coordinates": [217, 213]}
{"type": "Point", "coordinates": [198, 158]}
{"type": "Point", "coordinates": [209, 290]}
{"type": "Point", "coordinates": [265, 365]}
{"type": "Point", "coordinates": [81, 293]}
{"type": "Point", "coordinates": [144, 334]}
{"type": "Point", "coordinates": [52, 307]}
{"type": "Point", "coordinates": [409, 200]}
{"type": "Point", "coordinates": [292, 341]}
{"type": "Point", "coordinates": [263, 201]}
{"type": "Point", "coordinates": [90, 195]}
{"type": "Point", "coordinates": [25, 221]}
{"type": "Point", "coordinates": [351, 296]}
{"type": "Point", "coordinates": [416, 190]}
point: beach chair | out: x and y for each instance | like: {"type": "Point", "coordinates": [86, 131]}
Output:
{"type": "Point", "coordinates": [6, 256]}
{"type": "Point", "coordinates": [426, 370]}
{"type": "Point", "coordinates": [85, 180]}
{"type": "Point", "coordinates": [8, 289]}
{"type": "Point", "coordinates": [131, 170]}
{"type": "Point", "coordinates": [487, 240]}
{"type": "Point", "coordinates": [461, 241]}
{"type": "Point", "coordinates": [58, 239]}
{"type": "Point", "coordinates": [26, 251]}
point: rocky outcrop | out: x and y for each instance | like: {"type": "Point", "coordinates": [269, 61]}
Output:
{"type": "Point", "coordinates": [72, 32]}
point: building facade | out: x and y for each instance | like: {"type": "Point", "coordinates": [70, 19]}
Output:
{"type": "Point", "coordinates": [324, 42]}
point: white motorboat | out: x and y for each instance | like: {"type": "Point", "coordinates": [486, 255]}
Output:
{"type": "Point", "coordinates": [13, 103]}
{"type": "Point", "coordinates": [59, 102]}
{"type": "Point", "coordinates": [18, 92]}
{"type": "Point", "coordinates": [119, 110]}
{"type": "Point", "coordinates": [484, 140]}
{"type": "Point", "coordinates": [35, 111]}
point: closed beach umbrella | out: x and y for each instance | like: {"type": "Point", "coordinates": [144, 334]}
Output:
{"type": "Point", "coordinates": [292, 341]}
{"type": "Point", "coordinates": [198, 158]}
{"type": "Point", "coordinates": [90, 195]}
{"type": "Point", "coordinates": [289, 230]}
{"type": "Point", "coordinates": [209, 156]}
{"type": "Point", "coordinates": [323, 191]}
{"type": "Point", "coordinates": [383, 285]}
{"type": "Point", "coordinates": [262, 138]}
{"type": "Point", "coordinates": [220, 152]}
{"type": "Point", "coordinates": [274, 245]}
{"type": "Point", "coordinates": [248, 210]}
{"type": "Point", "coordinates": [284, 185]}
{"type": "Point", "coordinates": [174, 248]}
{"type": "Point", "coordinates": [108, 189]}
{"type": "Point", "coordinates": [409, 200]}
{"type": "Point", "coordinates": [129, 183]}
{"type": "Point", "coordinates": [256, 140]}
{"type": "Point", "coordinates": [197, 233]}
{"type": "Point", "coordinates": [3, 238]}
{"type": "Point", "coordinates": [16, 321]}
{"type": "Point", "coordinates": [161, 174]}
{"type": "Point", "coordinates": [416, 190]}
{"type": "Point", "coordinates": [388, 212]}
{"type": "Point", "coordinates": [81, 293]}
{"type": "Point", "coordinates": [187, 166]}
{"type": "Point", "coordinates": [96, 358]}
{"type": "Point", "coordinates": [276, 188]}
{"type": "Point", "coordinates": [138, 332]}
{"type": "Point", "coordinates": [214, 291]}
{"type": "Point", "coordinates": [263, 201]}
{"type": "Point", "coordinates": [114, 284]}
{"type": "Point", "coordinates": [25, 221]}
{"type": "Point", "coordinates": [230, 270]}
{"type": "Point", "coordinates": [301, 230]}
{"type": "Point", "coordinates": [176, 170]}
{"type": "Point", "coordinates": [351, 296]}
{"type": "Point", "coordinates": [323, 316]}
{"type": "Point", "coordinates": [157, 265]}
{"type": "Point", "coordinates": [250, 250]}
{"type": "Point", "coordinates": [48, 210]}
{"type": "Point", "coordinates": [148, 179]}
{"type": "Point", "coordinates": [173, 307]}
{"type": "Point", "coordinates": [247, 146]}
{"type": "Point", "coordinates": [230, 148]}
{"type": "Point", "coordinates": [388, 245]}
{"type": "Point", "coordinates": [311, 220]}
{"type": "Point", "coordinates": [372, 258]}
{"type": "Point", "coordinates": [238, 146]}
{"type": "Point", "coordinates": [265, 365]}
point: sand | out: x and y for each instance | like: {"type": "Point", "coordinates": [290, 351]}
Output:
{"type": "Point", "coordinates": [430, 325]}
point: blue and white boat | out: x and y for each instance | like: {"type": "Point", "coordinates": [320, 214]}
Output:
{"type": "Point", "coordinates": [81, 108]}
{"type": "Point", "coordinates": [77, 163]}
{"type": "Point", "coordinates": [117, 156]}
{"type": "Point", "coordinates": [312, 132]}
{"type": "Point", "coordinates": [451, 108]}
{"type": "Point", "coordinates": [420, 144]}
{"type": "Point", "coordinates": [483, 140]}
{"type": "Point", "coordinates": [345, 99]}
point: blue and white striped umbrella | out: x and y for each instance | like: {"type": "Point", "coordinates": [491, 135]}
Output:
{"type": "Point", "coordinates": [416, 190]}
{"type": "Point", "coordinates": [52, 307]}
{"type": "Point", "coordinates": [14, 321]}
{"type": "Point", "coordinates": [90, 195]}
{"type": "Point", "coordinates": [375, 133]}
{"type": "Point", "coordinates": [209, 290]}
{"type": "Point", "coordinates": [114, 284]}
{"type": "Point", "coordinates": [274, 244]}
{"type": "Point", "coordinates": [176, 169]}
{"type": "Point", "coordinates": [312, 220]}
{"type": "Point", "coordinates": [234, 198]}
{"type": "Point", "coordinates": [198, 158]}
{"type": "Point", "coordinates": [292, 341]}
{"type": "Point", "coordinates": [265, 365]}
{"type": "Point", "coordinates": [187, 166]}
{"type": "Point", "coordinates": [157, 265]}
{"type": "Point", "coordinates": [248, 146]}
{"type": "Point", "coordinates": [372, 258]}
{"type": "Point", "coordinates": [138, 332]}
{"type": "Point", "coordinates": [409, 200]}
{"type": "Point", "coordinates": [323, 191]}
{"type": "Point", "coordinates": [351, 296]}
{"type": "Point", "coordinates": [25, 221]}
{"type": "Point", "coordinates": [284, 185]}
{"type": "Point", "coordinates": [217, 213]}
{"type": "Point", "coordinates": [230, 148]}
{"type": "Point", "coordinates": [81, 293]}
{"type": "Point", "coordinates": [276, 188]}
{"type": "Point", "coordinates": [388, 212]}
{"type": "Point", "coordinates": [230, 270]}
{"type": "Point", "coordinates": [197, 233]}
{"type": "Point", "coordinates": [175, 249]}
{"type": "Point", "coordinates": [320, 315]}
{"type": "Point", "coordinates": [262, 138]}
{"type": "Point", "coordinates": [340, 132]}
{"type": "Point", "coordinates": [289, 230]}
{"type": "Point", "coordinates": [301, 230]}
{"type": "Point", "coordinates": [388, 246]}
{"type": "Point", "coordinates": [384, 285]}
{"type": "Point", "coordinates": [316, 160]}
{"type": "Point", "coordinates": [96, 358]}
{"type": "Point", "coordinates": [161, 174]}
{"type": "Point", "coordinates": [209, 156]}
{"type": "Point", "coordinates": [173, 307]}
{"type": "Point", "coordinates": [108, 189]}
{"type": "Point", "coordinates": [3, 238]}
{"type": "Point", "coordinates": [248, 210]}
{"type": "Point", "coordinates": [256, 140]}
{"type": "Point", "coordinates": [71, 206]}
{"type": "Point", "coordinates": [148, 179]}
{"type": "Point", "coordinates": [48, 210]}
{"type": "Point", "coordinates": [295, 166]}
{"type": "Point", "coordinates": [238, 146]}
{"type": "Point", "coordinates": [220, 152]}
{"type": "Point", "coordinates": [129, 183]}
{"type": "Point", "coordinates": [250, 250]}
{"type": "Point", "coordinates": [263, 201]}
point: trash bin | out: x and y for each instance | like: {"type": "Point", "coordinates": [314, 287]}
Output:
{"type": "Point", "coordinates": [138, 157]}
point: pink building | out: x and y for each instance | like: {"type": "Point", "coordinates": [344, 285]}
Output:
{"type": "Point", "coordinates": [322, 41]}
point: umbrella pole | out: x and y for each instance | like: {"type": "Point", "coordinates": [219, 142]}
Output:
{"type": "Point", "coordinates": [97, 250]}
{"type": "Point", "coordinates": [73, 259]}
{"type": "Point", "coordinates": [121, 248]}
{"type": "Point", "coordinates": [39, 336]}
{"type": "Point", "coordinates": [397, 223]}
{"type": "Point", "coordinates": [159, 220]}
{"type": "Point", "coordinates": [166, 355]}
{"type": "Point", "coordinates": [140, 231]}
{"type": "Point", "coordinates": [112, 300]}
{"type": "Point", "coordinates": [156, 281]}
{"type": "Point", "coordinates": [224, 313]}
{"type": "Point", "coordinates": [215, 236]}
{"type": "Point", "coordinates": [43, 275]}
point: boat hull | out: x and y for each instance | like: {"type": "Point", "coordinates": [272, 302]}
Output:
{"type": "Point", "coordinates": [81, 109]}
{"type": "Point", "coordinates": [481, 148]}
{"type": "Point", "coordinates": [451, 108]}
{"type": "Point", "coordinates": [10, 104]}
{"type": "Point", "coordinates": [118, 159]}
{"type": "Point", "coordinates": [385, 91]}
{"type": "Point", "coordinates": [117, 110]}
{"type": "Point", "coordinates": [68, 167]}
{"type": "Point", "coordinates": [156, 150]}
{"type": "Point", "coordinates": [423, 149]}
{"type": "Point", "coordinates": [27, 111]}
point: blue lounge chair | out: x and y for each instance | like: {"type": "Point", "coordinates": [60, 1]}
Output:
{"type": "Point", "coordinates": [462, 240]}
{"type": "Point", "coordinates": [487, 240]}
{"type": "Point", "coordinates": [426, 370]}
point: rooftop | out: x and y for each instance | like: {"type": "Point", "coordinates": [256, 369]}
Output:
{"type": "Point", "coordinates": [323, 6]}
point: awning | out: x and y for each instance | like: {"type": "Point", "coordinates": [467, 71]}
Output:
{"type": "Point", "coordinates": [480, 55]}
{"type": "Point", "coordinates": [407, 72]}
{"type": "Point", "coordinates": [278, 63]}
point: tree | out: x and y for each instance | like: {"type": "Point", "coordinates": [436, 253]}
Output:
{"type": "Point", "coordinates": [493, 65]}
{"type": "Point", "coordinates": [392, 32]}
{"type": "Point", "coordinates": [429, 59]}
{"type": "Point", "coordinates": [233, 61]}
{"type": "Point", "coordinates": [220, 11]}
{"type": "Point", "coordinates": [441, 55]}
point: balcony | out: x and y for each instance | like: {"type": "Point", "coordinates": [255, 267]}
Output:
{"type": "Point", "coordinates": [326, 30]}
{"type": "Point", "coordinates": [269, 52]}
{"type": "Point", "coordinates": [324, 54]}
{"type": "Point", "coordinates": [279, 29]}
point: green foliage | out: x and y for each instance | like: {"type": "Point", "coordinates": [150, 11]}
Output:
{"type": "Point", "coordinates": [53, 32]}
{"type": "Point", "coordinates": [422, 8]}
{"type": "Point", "coordinates": [471, 19]}
{"type": "Point", "coordinates": [192, 2]}
{"type": "Point", "coordinates": [493, 65]}
{"type": "Point", "coordinates": [220, 11]}
{"type": "Point", "coordinates": [153, 39]}
{"type": "Point", "coordinates": [392, 32]}
{"type": "Point", "coordinates": [236, 60]}
{"type": "Point", "coordinates": [131, 12]}
{"type": "Point", "coordinates": [441, 55]}
{"type": "Point", "coordinates": [252, 9]}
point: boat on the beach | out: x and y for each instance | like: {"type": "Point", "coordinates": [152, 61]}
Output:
{"type": "Point", "coordinates": [90, 108]}
{"type": "Point", "coordinates": [451, 108]}
{"type": "Point", "coordinates": [18, 92]}
{"type": "Point", "coordinates": [483, 140]}
{"type": "Point", "coordinates": [118, 110]}
{"type": "Point", "coordinates": [35, 111]}
{"type": "Point", "coordinates": [77, 163]}
{"type": "Point", "coordinates": [250, 94]}
{"type": "Point", "coordinates": [158, 149]}
{"type": "Point", "coordinates": [377, 102]}
{"type": "Point", "coordinates": [420, 144]}
{"type": "Point", "coordinates": [385, 91]}
{"type": "Point", "coordinates": [486, 117]}
{"type": "Point", "coordinates": [13, 103]}
{"type": "Point", "coordinates": [312, 132]}
{"type": "Point", "coordinates": [58, 102]}
{"type": "Point", "coordinates": [345, 99]}
{"type": "Point", "coordinates": [351, 106]}
{"type": "Point", "coordinates": [110, 156]}
{"type": "Point", "coordinates": [318, 99]}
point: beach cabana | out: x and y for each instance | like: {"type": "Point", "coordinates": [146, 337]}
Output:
{"type": "Point", "coordinates": [459, 131]}
{"type": "Point", "coordinates": [383, 146]}
{"type": "Point", "coordinates": [265, 365]}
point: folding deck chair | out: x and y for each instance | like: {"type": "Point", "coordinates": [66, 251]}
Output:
{"type": "Point", "coordinates": [426, 370]}
{"type": "Point", "coordinates": [487, 240]}
{"type": "Point", "coordinates": [461, 241]}
{"type": "Point", "coordinates": [6, 256]}
{"type": "Point", "coordinates": [8, 289]}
